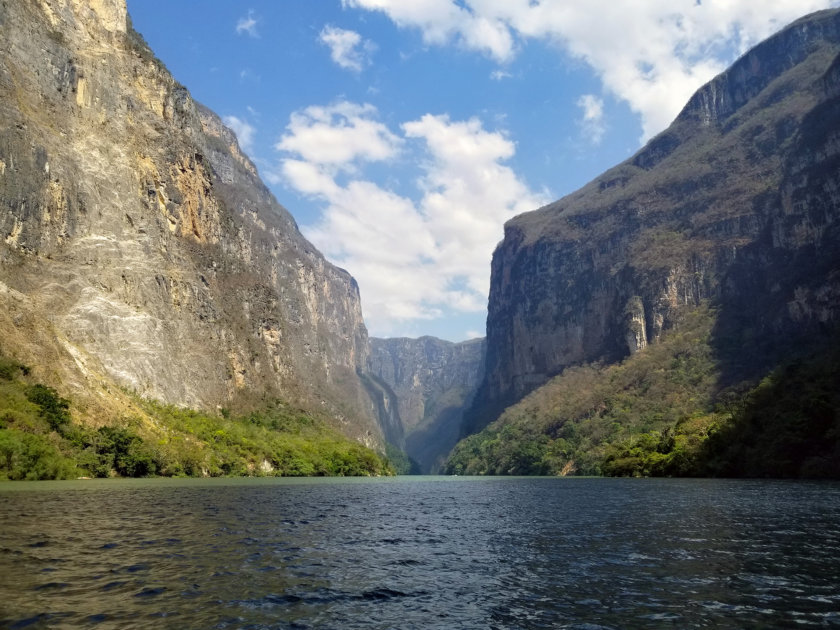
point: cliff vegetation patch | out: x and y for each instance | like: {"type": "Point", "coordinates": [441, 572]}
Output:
{"type": "Point", "coordinates": [39, 439]}
{"type": "Point", "coordinates": [662, 412]}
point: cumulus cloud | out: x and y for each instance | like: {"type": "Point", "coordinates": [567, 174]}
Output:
{"type": "Point", "coordinates": [592, 117]}
{"type": "Point", "coordinates": [247, 25]}
{"type": "Point", "coordinates": [243, 130]}
{"type": "Point", "coordinates": [652, 54]}
{"type": "Point", "coordinates": [347, 48]}
{"type": "Point", "coordinates": [417, 257]}
{"type": "Point", "coordinates": [338, 135]}
{"type": "Point", "coordinates": [441, 21]}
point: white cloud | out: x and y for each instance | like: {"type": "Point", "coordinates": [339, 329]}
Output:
{"type": "Point", "coordinates": [244, 132]}
{"type": "Point", "coordinates": [338, 135]}
{"type": "Point", "coordinates": [307, 178]}
{"type": "Point", "coordinates": [414, 258]}
{"type": "Point", "coordinates": [653, 54]}
{"type": "Point", "coordinates": [498, 75]}
{"type": "Point", "coordinates": [592, 120]}
{"type": "Point", "coordinates": [347, 48]}
{"type": "Point", "coordinates": [248, 25]}
{"type": "Point", "coordinates": [468, 194]}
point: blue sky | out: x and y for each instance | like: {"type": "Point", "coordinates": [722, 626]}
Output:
{"type": "Point", "coordinates": [402, 134]}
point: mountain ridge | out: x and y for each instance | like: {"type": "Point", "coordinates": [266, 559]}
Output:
{"type": "Point", "coordinates": [733, 207]}
{"type": "Point", "coordinates": [597, 274]}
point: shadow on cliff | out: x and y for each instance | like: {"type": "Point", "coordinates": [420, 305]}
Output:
{"type": "Point", "coordinates": [780, 296]}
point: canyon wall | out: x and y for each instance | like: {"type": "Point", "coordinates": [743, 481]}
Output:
{"type": "Point", "coordinates": [139, 249]}
{"type": "Point", "coordinates": [424, 386]}
{"type": "Point", "coordinates": [735, 204]}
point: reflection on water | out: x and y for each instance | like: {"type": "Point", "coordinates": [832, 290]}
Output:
{"type": "Point", "coordinates": [420, 553]}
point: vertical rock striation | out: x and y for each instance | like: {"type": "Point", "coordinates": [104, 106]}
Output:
{"type": "Point", "coordinates": [424, 385]}
{"type": "Point", "coordinates": [735, 203]}
{"type": "Point", "coordinates": [137, 239]}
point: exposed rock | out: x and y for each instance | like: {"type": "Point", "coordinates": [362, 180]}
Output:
{"type": "Point", "coordinates": [636, 335]}
{"type": "Point", "coordinates": [137, 238]}
{"type": "Point", "coordinates": [736, 203]}
{"type": "Point", "coordinates": [423, 386]}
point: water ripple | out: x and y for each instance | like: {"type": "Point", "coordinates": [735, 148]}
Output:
{"type": "Point", "coordinates": [420, 553]}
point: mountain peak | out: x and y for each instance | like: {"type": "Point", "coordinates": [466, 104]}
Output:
{"type": "Point", "coordinates": [724, 95]}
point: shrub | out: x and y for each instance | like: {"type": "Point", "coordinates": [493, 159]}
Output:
{"type": "Point", "coordinates": [31, 457]}
{"type": "Point", "coordinates": [9, 369]}
{"type": "Point", "coordinates": [125, 451]}
{"type": "Point", "coordinates": [54, 408]}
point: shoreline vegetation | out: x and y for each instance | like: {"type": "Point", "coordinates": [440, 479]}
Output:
{"type": "Point", "coordinates": [660, 413]}
{"type": "Point", "coordinates": [40, 440]}
{"type": "Point", "coordinates": [663, 412]}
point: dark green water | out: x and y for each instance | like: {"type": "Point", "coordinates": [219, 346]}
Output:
{"type": "Point", "coordinates": [420, 553]}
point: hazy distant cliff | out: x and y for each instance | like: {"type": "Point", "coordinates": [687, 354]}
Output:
{"type": "Point", "coordinates": [139, 247]}
{"type": "Point", "coordinates": [736, 203]}
{"type": "Point", "coordinates": [423, 385]}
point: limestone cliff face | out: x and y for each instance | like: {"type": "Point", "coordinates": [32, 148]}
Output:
{"type": "Point", "coordinates": [736, 203]}
{"type": "Point", "coordinates": [136, 238]}
{"type": "Point", "coordinates": [424, 385]}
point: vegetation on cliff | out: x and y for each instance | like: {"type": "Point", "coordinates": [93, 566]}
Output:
{"type": "Point", "coordinates": [787, 426]}
{"type": "Point", "coordinates": [565, 426]}
{"type": "Point", "coordinates": [662, 412]}
{"type": "Point", "coordinates": [40, 440]}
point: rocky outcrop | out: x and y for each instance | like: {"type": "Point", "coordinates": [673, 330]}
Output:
{"type": "Point", "coordinates": [136, 237]}
{"type": "Point", "coordinates": [423, 386]}
{"type": "Point", "coordinates": [736, 203]}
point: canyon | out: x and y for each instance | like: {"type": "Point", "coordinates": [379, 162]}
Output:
{"type": "Point", "coordinates": [143, 259]}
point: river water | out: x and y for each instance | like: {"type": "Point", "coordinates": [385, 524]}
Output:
{"type": "Point", "coordinates": [420, 552]}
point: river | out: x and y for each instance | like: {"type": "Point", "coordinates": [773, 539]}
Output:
{"type": "Point", "coordinates": [419, 552]}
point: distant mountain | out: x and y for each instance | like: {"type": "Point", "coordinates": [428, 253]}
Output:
{"type": "Point", "coordinates": [734, 208]}
{"type": "Point", "coordinates": [423, 386]}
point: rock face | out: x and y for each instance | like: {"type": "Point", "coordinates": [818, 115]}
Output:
{"type": "Point", "coordinates": [423, 386]}
{"type": "Point", "coordinates": [138, 240]}
{"type": "Point", "coordinates": [736, 203]}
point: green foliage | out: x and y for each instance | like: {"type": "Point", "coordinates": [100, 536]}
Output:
{"type": "Point", "coordinates": [39, 440]}
{"type": "Point", "coordinates": [659, 413]}
{"type": "Point", "coordinates": [512, 449]}
{"type": "Point", "coordinates": [568, 425]}
{"type": "Point", "coordinates": [671, 452]}
{"type": "Point", "coordinates": [112, 450]}
{"type": "Point", "coordinates": [28, 447]}
{"type": "Point", "coordinates": [54, 408]}
{"type": "Point", "coordinates": [31, 457]}
{"type": "Point", "coordinates": [277, 441]}
{"type": "Point", "coordinates": [400, 461]}
{"type": "Point", "coordinates": [788, 426]}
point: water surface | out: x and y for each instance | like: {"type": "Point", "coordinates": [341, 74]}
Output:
{"type": "Point", "coordinates": [419, 553]}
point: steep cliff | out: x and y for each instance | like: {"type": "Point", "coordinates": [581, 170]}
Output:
{"type": "Point", "coordinates": [423, 386]}
{"type": "Point", "coordinates": [139, 248]}
{"type": "Point", "coordinates": [735, 204]}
